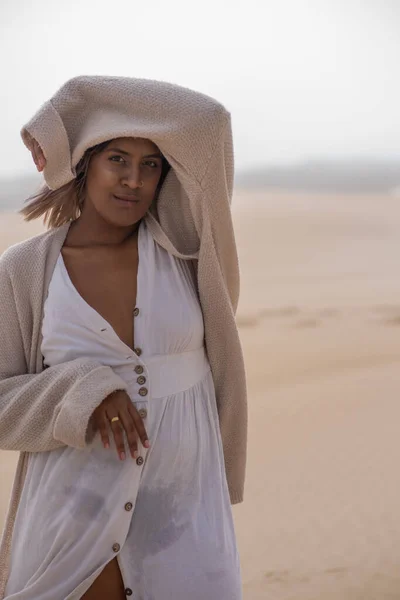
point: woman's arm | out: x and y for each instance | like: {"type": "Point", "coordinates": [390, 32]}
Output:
{"type": "Point", "coordinates": [41, 412]}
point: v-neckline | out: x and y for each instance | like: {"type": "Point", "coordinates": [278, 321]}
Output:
{"type": "Point", "coordinates": [92, 310]}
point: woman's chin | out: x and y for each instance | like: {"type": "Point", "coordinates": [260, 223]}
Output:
{"type": "Point", "coordinates": [122, 218]}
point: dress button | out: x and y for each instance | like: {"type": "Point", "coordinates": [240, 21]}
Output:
{"type": "Point", "coordinates": [138, 369]}
{"type": "Point", "coordinates": [139, 460]}
{"type": "Point", "coordinates": [128, 592]}
{"type": "Point", "coordinates": [128, 506]}
{"type": "Point", "coordinates": [143, 391]}
{"type": "Point", "coordinates": [141, 380]}
{"type": "Point", "coordinates": [136, 312]}
{"type": "Point", "coordinates": [138, 351]}
{"type": "Point", "coordinates": [143, 413]}
{"type": "Point", "coordinates": [116, 547]}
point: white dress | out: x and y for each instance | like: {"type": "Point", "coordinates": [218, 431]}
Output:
{"type": "Point", "coordinates": [167, 516]}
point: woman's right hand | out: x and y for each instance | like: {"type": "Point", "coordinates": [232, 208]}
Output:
{"type": "Point", "coordinates": [36, 151]}
{"type": "Point", "coordinates": [119, 404]}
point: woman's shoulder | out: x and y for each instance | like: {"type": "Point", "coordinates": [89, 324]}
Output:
{"type": "Point", "coordinates": [29, 251]}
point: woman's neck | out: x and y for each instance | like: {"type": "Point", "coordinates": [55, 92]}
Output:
{"type": "Point", "coordinates": [93, 230]}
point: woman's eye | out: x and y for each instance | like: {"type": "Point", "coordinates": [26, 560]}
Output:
{"type": "Point", "coordinates": [120, 159]}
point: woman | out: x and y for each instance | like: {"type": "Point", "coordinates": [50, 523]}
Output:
{"type": "Point", "coordinates": [122, 380]}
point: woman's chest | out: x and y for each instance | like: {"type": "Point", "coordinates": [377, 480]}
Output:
{"type": "Point", "coordinates": [108, 284]}
{"type": "Point", "coordinates": [150, 303]}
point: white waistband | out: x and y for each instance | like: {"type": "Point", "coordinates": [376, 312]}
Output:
{"type": "Point", "coordinates": [168, 374]}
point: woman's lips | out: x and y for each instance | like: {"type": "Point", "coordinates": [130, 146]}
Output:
{"type": "Point", "coordinates": [126, 199]}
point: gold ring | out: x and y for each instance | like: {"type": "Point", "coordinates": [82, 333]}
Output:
{"type": "Point", "coordinates": [114, 419]}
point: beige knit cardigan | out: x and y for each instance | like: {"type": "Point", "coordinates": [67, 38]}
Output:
{"type": "Point", "coordinates": [41, 410]}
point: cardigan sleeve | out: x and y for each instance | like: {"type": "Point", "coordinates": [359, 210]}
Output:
{"type": "Point", "coordinates": [219, 262]}
{"type": "Point", "coordinates": [44, 411]}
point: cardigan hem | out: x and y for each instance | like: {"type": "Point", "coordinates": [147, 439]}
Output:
{"type": "Point", "coordinates": [72, 426]}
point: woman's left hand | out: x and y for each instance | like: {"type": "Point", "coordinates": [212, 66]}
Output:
{"type": "Point", "coordinates": [37, 152]}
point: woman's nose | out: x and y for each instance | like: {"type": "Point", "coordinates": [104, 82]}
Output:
{"type": "Point", "coordinates": [133, 179]}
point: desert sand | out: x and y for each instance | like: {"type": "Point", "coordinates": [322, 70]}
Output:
{"type": "Point", "coordinates": [319, 319]}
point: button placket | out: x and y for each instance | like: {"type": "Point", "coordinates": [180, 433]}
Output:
{"type": "Point", "coordinates": [143, 391]}
{"type": "Point", "coordinates": [117, 547]}
{"type": "Point", "coordinates": [136, 312]}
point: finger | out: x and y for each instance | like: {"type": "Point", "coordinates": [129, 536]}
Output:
{"type": "Point", "coordinates": [131, 433]}
{"type": "Point", "coordinates": [37, 152]}
{"type": "Point", "coordinates": [119, 438]}
{"type": "Point", "coordinates": [28, 139]}
{"type": "Point", "coordinates": [40, 159]}
{"type": "Point", "coordinates": [40, 154]}
{"type": "Point", "coordinates": [103, 430]}
{"type": "Point", "coordinates": [140, 428]}
{"type": "Point", "coordinates": [34, 155]}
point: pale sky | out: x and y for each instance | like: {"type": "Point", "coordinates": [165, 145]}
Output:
{"type": "Point", "coordinates": [302, 79]}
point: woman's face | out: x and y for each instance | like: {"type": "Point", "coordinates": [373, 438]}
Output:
{"type": "Point", "coordinates": [122, 180]}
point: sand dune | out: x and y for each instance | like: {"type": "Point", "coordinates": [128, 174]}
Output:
{"type": "Point", "coordinates": [319, 318]}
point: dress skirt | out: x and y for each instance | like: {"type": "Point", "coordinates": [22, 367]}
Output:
{"type": "Point", "coordinates": [166, 516]}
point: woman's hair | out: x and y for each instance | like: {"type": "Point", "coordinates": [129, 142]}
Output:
{"type": "Point", "coordinates": [58, 207]}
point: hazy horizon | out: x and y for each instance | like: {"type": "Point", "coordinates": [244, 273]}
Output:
{"type": "Point", "coordinates": [302, 79]}
{"type": "Point", "coordinates": [341, 176]}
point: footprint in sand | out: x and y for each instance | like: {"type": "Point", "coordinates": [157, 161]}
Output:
{"type": "Point", "coordinates": [247, 321]}
{"type": "Point", "coordinates": [315, 319]}
{"type": "Point", "coordinates": [285, 577]}
{"type": "Point", "coordinates": [253, 320]}
{"type": "Point", "coordinates": [289, 577]}
{"type": "Point", "coordinates": [336, 571]}
{"type": "Point", "coordinates": [285, 311]}
{"type": "Point", "coordinates": [392, 321]}
{"type": "Point", "coordinates": [329, 312]}
{"type": "Point", "coordinates": [307, 323]}
{"type": "Point", "coordinates": [390, 314]}
{"type": "Point", "coordinates": [387, 309]}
